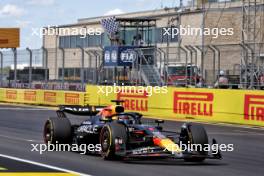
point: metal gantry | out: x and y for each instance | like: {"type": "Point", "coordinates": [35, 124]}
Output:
{"type": "Point", "coordinates": [252, 35]}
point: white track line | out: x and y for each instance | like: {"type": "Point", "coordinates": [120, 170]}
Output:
{"type": "Point", "coordinates": [19, 139]}
{"type": "Point", "coordinates": [42, 165]}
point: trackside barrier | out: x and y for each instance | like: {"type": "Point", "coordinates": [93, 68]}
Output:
{"type": "Point", "coordinates": [212, 105]}
{"type": "Point", "coordinates": [41, 97]}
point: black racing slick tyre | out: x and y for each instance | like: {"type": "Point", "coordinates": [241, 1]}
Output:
{"type": "Point", "coordinates": [198, 135]}
{"type": "Point", "coordinates": [108, 136]}
{"type": "Point", "coordinates": [57, 130]}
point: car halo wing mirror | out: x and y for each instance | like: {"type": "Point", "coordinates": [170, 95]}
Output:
{"type": "Point", "coordinates": [158, 121]}
{"type": "Point", "coordinates": [118, 102]}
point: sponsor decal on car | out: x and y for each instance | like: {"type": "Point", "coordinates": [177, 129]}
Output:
{"type": "Point", "coordinates": [91, 129]}
{"type": "Point", "coordinates": [254, 107]}
{"type": "Point", "coordinates": [134, 100]}
{"type": "Point", "coordinates": [144, 150]}
{"type": "Point", "coordinates": [193, 103]}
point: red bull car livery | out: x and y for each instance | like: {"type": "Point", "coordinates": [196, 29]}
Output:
{"type": "Point", "coordinates": [123, 134]}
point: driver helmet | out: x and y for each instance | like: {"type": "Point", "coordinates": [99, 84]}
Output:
{"type": "Point", "coordinates": [125, 119]}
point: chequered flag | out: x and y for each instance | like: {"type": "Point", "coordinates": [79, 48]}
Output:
{"type": "Point", "coordinates": [110, 25]}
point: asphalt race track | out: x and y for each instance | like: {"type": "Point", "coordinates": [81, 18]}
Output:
{"type": "Point", "coordinates": [22, 126]}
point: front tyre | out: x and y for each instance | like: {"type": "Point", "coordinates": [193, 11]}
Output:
{"type": "Point", "coordinates": [196, 134]}
{"type": "Point", "coordinates": [110, 135]}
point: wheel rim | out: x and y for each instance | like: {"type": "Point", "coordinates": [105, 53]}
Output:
{"type": "Point", "coordinates": [105, 142]}
{"type": "Point", "coordinates": [47, 133]}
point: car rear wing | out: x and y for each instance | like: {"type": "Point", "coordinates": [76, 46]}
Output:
{"type": "Point", "coordinates": [78, 110]}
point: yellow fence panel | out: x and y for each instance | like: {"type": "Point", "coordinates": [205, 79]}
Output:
{"type": "Point", "coordinates": [212, 105]}
{"type": "Point", "coordinates": [42, 97]}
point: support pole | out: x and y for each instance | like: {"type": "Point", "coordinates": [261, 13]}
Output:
{"type": "Point", "coordinates": [63, 66]}
{"type": "Point", "coordinates": [45, 58]}
{"type": "Point", "coordinates": [82, 65]}
{"type": "Point", "coordinates": [191, 61]}
{"type": "Point", "coordinates": [251, 66]}
{"type": "Point", "coordinates": [2, 65]}
{"type": "Point", "coordinates": [96, 65]}
{"type": "Point", "coordinates": [15, 65]}
{"type": "Point", "coordinates": [30, 67]}
{"type": "Point", "coordinates": [214, 55]}
{"type": "Point", "coordinates": [186, 64]}
{"type": "Point", "coordinates": [246, 54]}
{"type": "Point", "coordinates": [195, 62]}
{"type": "Point", "coordinates": [90, 62]}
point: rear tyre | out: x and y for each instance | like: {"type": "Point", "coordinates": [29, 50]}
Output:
{"type": "Point", "coordinates": [197, 135]}
{"type": "Point", "coordinates": [57, 130]}
{"type": "Point", "coordinates": [108, 135]}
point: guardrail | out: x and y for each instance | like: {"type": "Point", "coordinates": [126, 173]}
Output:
{"type": "Point", "coordinates": [210, 105]}
{"type": "Point", "coordinates": [41, 97]}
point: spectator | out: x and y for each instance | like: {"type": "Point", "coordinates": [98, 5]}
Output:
{"type": "Point", "coordinates": [200, 81]}
{"type": "Point", "coordinates": [134, 41]}
{"type": "Point", "coordinates": [261, 80]}
{"type": "Point", "coordinates": [222, 81]}
{"type": "Point", "coordinates": [138, 41]}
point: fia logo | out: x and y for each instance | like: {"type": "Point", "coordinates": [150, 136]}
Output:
{"type": "Point", "coordinates": [128, 56]}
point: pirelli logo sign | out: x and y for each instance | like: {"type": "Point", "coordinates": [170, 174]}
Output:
{"type": "Point", "coordinates": [30, 95]}
{"type": "Point", "coordinates": [72, 98]}
{"type": "Point", "coordinates": [193, 103]}
{"type": "Point", "coordinates": [11, 94]}
{"type": "Point", "coordinates": [9, 37]}
{"type": "Point", "coordinates": [254, 107]}
{"type": "Point", "coordinates": [134, 100]}
{"type": "Point", "coordinates": [50, 97]}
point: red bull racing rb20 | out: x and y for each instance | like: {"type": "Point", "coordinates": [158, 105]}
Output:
{"type": "Point", "coordinates": [123, 135]}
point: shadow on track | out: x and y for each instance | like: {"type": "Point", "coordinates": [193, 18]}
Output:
{"type": "Point", "coordinates": [174, 162]}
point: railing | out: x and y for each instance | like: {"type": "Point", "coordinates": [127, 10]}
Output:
{"type": "Point", "coordinates": [149, 71]}
{"type": "Point", "coordinates": [234, 59]}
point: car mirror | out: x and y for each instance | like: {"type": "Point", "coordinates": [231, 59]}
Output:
{"type": "Point", "coordinates": [158, 121]}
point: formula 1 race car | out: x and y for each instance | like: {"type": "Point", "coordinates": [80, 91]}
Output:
{"type": "Point", "coordinates": [123, 135]}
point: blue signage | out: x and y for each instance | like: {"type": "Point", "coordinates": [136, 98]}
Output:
{"type": "Point", "coordinates": [119, 56]}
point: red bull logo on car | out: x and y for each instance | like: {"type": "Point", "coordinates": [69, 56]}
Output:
{"type": "Point", "coordinates": [193, 103]}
